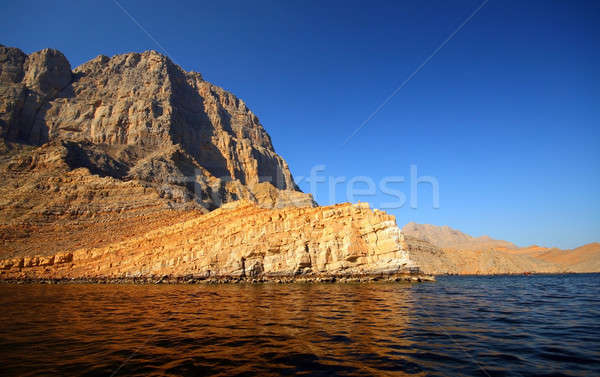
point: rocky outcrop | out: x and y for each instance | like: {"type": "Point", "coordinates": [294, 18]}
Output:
{"type": "Point", "coordinates": [28, 83]}
{"type": "Point", "coordinates": [141, 118]}
{"type": "Point", "coordinates": [129, 167]}
{"type": "Point", "coordinates": [240, 240]}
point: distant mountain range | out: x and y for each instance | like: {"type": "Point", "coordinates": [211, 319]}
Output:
{"type": "Point", "coordinates": [446, 237]}
{"type": "Point", "coordinates": [446, 250]}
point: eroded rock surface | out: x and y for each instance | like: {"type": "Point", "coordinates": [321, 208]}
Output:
{"type": "Point", "coordinates": [140, 118]}
{"type": "Point", "coordinates": [131, 167]}
{"type": "Point", "coordinates": [239, 240]}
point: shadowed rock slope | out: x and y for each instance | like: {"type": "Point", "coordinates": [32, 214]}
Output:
{"type": "Point", "coordinates": [140, 118]}
{"type": "Point", "coordinates": [116, 144]}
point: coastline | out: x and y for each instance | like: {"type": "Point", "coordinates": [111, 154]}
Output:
{"type": "Point", "coordinates": [409, 277]}
{"type": "Point", "coordinates": [522, 273]}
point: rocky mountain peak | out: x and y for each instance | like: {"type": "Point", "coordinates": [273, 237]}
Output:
{"type": "Point", "coordinates": [139, 117]}
{"type": "Point", "coordinates": [47, 71]}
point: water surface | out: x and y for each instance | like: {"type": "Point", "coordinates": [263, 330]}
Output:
{"type": "Point", "coordinates": [476, 326]}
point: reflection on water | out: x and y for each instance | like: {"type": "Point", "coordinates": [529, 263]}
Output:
{"type": "Point", "coordinates": [472, 326]}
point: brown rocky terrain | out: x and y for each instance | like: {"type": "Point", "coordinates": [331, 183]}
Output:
{"type": "Point", "coordinates": [448, 238]}
{"type": "Point", "coordinates": [116, 144]}
{"type": "Point", "coordinates": [129, 167]}
{"type": "Point", "coordinates": [240, 240]}
{"type": "Point", "coordinates": [136, 118]}
{"type": "Point", "coordinates": [585, 258]}
{"type": "Point", "coordinates": [443, 250]}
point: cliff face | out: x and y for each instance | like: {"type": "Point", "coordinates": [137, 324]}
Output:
{"type": "Point", "coordinates": [131, 167]}
{"type": "Point", "coordinates": [140, 118]}
{"type": "Point", "coordinates": [239, 240]}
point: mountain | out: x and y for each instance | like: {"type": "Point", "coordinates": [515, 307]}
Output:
{"type": "Point", "coordinates": [448, 238]}
{"type": "Point", "coordinates": [139, 117]}
{"type": "Point", "coordinates": [585, 258]}
{"type": "Point", "coordinates": [442, 250]}
{"type": "Point", "coordinates": [121, 138]}
{"type": "Point", "coordinates": [131, 168]}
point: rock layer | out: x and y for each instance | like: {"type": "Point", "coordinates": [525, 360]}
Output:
{"type": "Point", "coordinates": [239, 240]}
{"type": "Point", "coordinates": [112, 169]}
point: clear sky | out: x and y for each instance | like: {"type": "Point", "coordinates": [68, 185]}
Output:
{"type": "Point", "coordinates": [506, 115]}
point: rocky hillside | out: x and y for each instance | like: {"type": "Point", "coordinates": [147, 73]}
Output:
{"type": "Point", "coordinates": [131, 167]}
{"type": "Point", "coordinates": [585, 258]}
{"type": "Point", "coordinates": [240, 240]}
{"type": "Point", "coordinates": [448, 238]}
{"type": "Point", "coordinates": [443, 250]}
{"type": "Point", "coordinates": [133, 118]}
{"type": "Point", "coordinates": [126, 157]}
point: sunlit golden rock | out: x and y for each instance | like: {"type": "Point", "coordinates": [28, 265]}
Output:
{"type": "Point", "coordinates": [241, 240]}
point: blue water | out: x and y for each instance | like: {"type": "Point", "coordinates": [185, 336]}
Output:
{"type": "Point", "coordinates": [472, 326]}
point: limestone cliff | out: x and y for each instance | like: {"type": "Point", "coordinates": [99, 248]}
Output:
{"type": "Point", "coordinates": [141, 119]}
{"type": "Point", "coordinates": [239, 240]}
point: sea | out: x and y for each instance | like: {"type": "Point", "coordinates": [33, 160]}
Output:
{"type": "Point", "coordinates": [536, 325]}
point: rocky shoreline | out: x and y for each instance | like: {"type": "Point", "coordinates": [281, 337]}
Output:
{"type": "Point", "coordinates": [241, 241]}
{"type": "Point", "coordinates": [410, 277]}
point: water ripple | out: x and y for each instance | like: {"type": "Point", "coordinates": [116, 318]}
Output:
{"type": "Point", "coordinates": [472, 326]}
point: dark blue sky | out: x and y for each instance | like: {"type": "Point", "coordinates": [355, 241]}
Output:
{"type": "Point", "coordinates": [506, 116]}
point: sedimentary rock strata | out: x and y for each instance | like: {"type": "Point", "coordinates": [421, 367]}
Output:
{"type": "Point", "coordinates": [112, 169]}
{"type": "Point", "coordinates": [239, 240]}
